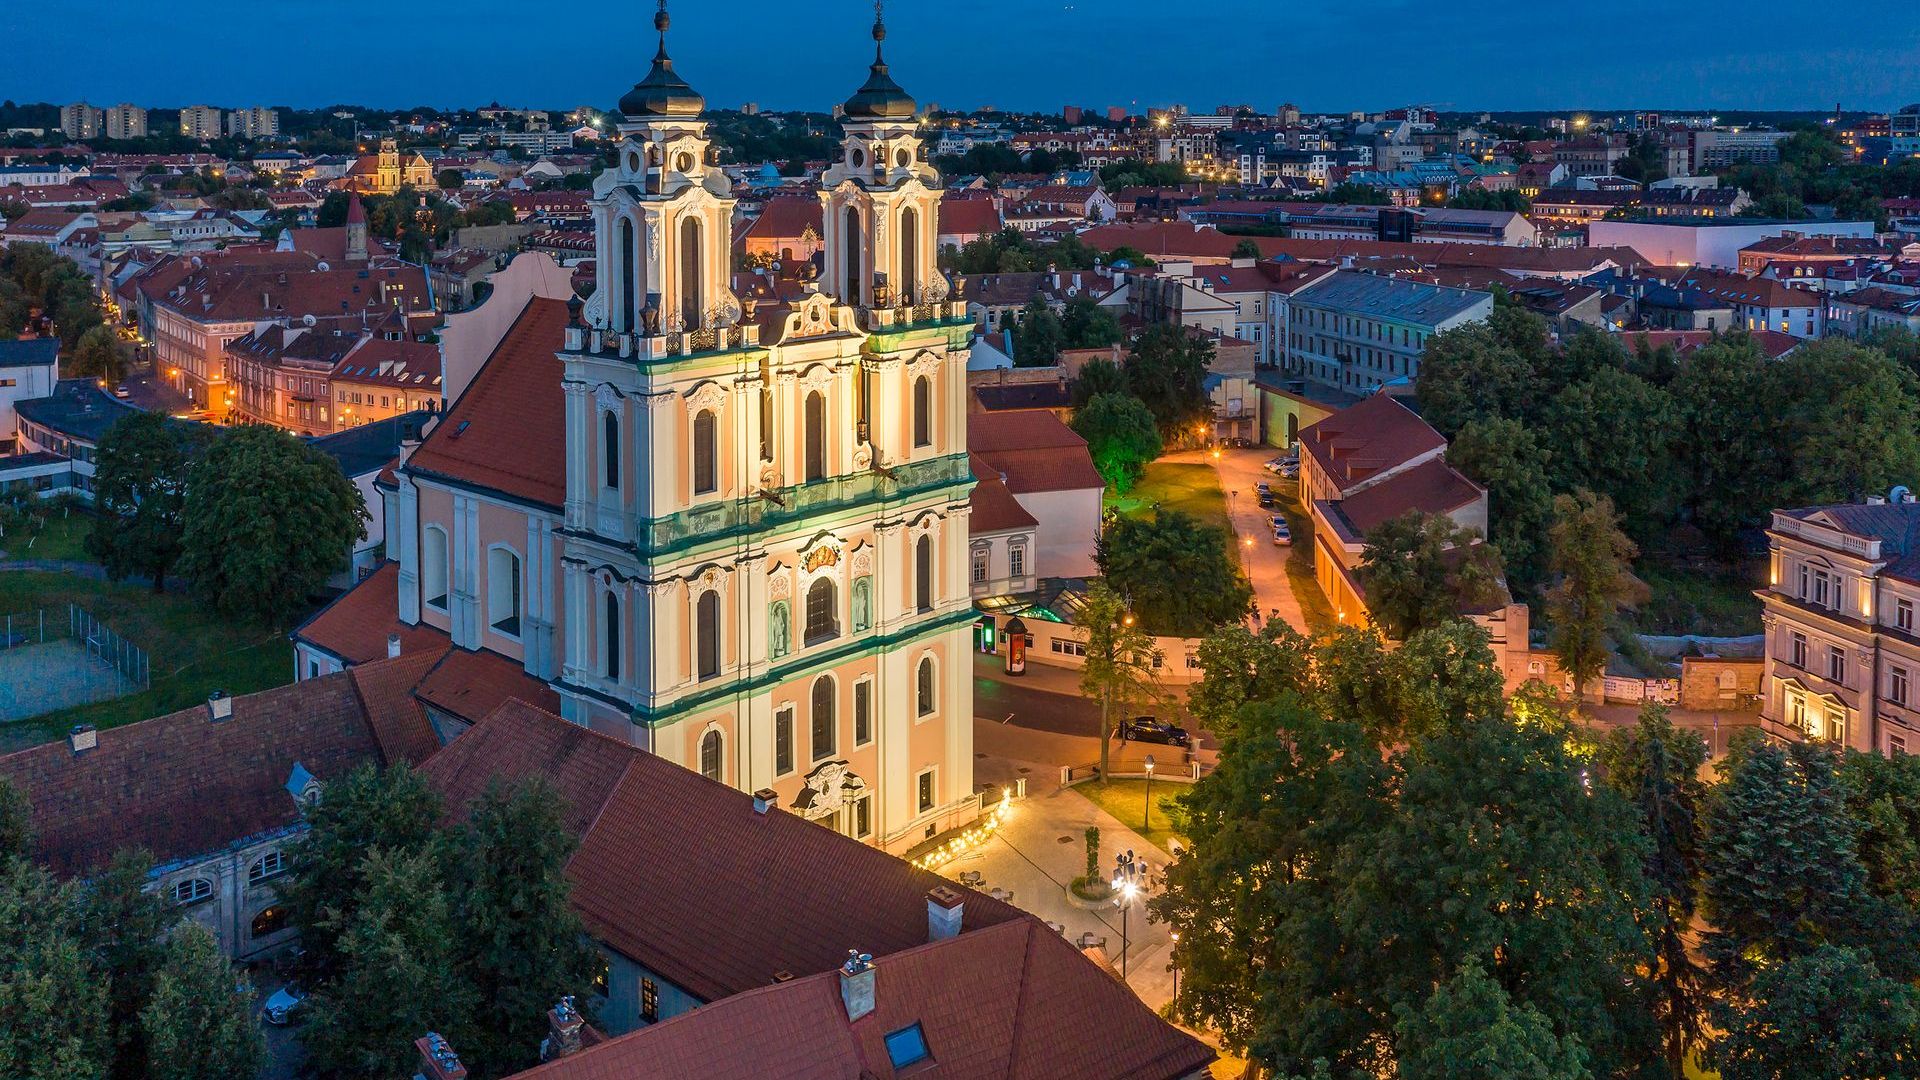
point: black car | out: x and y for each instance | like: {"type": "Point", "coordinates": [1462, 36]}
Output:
{"type": "Point", "coordinates": [1149, 729]}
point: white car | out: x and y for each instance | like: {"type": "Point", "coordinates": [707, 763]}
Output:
{"type": "Point", "coordinates": [283, 1004]}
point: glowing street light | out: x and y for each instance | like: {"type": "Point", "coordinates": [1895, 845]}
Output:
{"type": "Point", "coordinates": [1146, 824]}
{"type": "Point", "coordinates": [1129, 878]}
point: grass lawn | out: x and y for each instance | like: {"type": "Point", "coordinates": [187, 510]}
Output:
{"type": "Point", "coordinates": [63, 537]}
{"type": "Point", "coordinates": [191, 651]}
{"type": "Point", "coordinates": [1190, 487]}
{"type": "Point", "coordinates": [1712, 599]}
{"type": "Point", "coordinates": [1306, 588]}
{"type": "Point", "coordinates": [1127, 801]}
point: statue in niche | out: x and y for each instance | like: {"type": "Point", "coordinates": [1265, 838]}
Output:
{"type": "Point", "coordinates": [779, 634]}
{"type": "Point", "coordinates": [862, 604]}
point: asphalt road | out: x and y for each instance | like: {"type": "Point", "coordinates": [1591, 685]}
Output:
{"type": "Point", "coordinates": [1019, 705]}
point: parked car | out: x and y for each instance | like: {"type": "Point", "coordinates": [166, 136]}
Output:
{"type": "Point", "coordinates": [1153, 730]}
{"type": "Point", "coordinates": [1290, 470]}
{"type": "Point", "coordinates": [282, 1006]}
{"type": "Point", "coordinates": [1275, 465]}
{"type": "Point", "coordinates": [121, 391]}
{"type": "Point", "coordinates": [1282, 536]}
{"type": "Point", "coordinates": [1267, 501]}
{"type": "Point", "coordinates": [1279, 523]}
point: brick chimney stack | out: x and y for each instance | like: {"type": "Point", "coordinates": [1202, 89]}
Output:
{"type": "Point", "coordinates": [437, 1059]}
{"type": "Point", "coordinates": [945, 907]}
{"type": "Point", "coordinates": [563, 1029]}
{"type": "Point", "coordinates": [856, 984]}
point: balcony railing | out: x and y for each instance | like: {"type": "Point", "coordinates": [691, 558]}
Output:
{"type": "Point", "coordinates": [772, 509]}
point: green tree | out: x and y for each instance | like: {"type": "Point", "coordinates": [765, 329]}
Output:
{"type": "Point", "coordinates": [1120, 435]}
{"type": "Point", "coordinates": [1656, 766]}
{"type": "Point", "coordinates": [100, 354]}
{"type": "Point", "coordinates": [1167, 369]}
{"type": "Point", "coordinates": [1505, 457]}
{"type": "Point", "coordinates": [1242, 666]}
{"type": "Point", "coordinates": [1883, 803]}
{"type": "Point", "coordinates": [521, 947]}
{"type": "Point", "coordinates": [391, 809]}
{"type": "Point", "coordinates": [1860, 429]}
{"type": "Point", "coordinates": [1178, 575]}
{"type": "Point", "coordinates": [1038, 337]}
{"type": "Point", "coordinates": [1615, 434]}
{"type": "Point", "coordinates": [1247, 249]}
{"type": "Point", "coordinates": [1469, 1029]}
{"type": "Point", "coordinates": [268, 519]}
{"type": "Point", "coordinates": [1446, 679]}
{"type": "Point", "coordinates": [199, 1019]}
{"type": "Point", "coordinates": [1120, 660]}
{"type": "Point", "coordinates": [1730, 448]}
{"type": "Point", "coordinates": [1098, 377]}
{"type": "Point", "coordinates": [1467, 374]}
{"type": "Point", "coordinates": [52, 999]}
{"type": "Point", "coordinates": [126, 929]}
{"type": "Point", "coordinates": [1086, 325]}
{"type": "Point", "coordinates": [1829, 1015]}
{"type": "Point", "coordinates": [1421, 570]}
{"type": "Point", "coordinates": [1591, 563]}
{"type": "Point", "coordinates": [140, 490]}
{"type": "Point", "coordinates": [396, 979]}
{"type": "Point", "coordinates": [16, 824]}
{"type": "Point", "coordinates": [449, 180]}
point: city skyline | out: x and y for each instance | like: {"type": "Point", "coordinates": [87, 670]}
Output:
{"type": "Point", "coordinates": [1028, 60]}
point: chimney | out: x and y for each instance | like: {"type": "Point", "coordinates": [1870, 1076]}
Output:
{"type": "Point", "coordinates": [563, 1030]}
{"type": "Point", "coordinates": [765, 799]}
{"type": "Point", "coordinates": [82, 738]}
{"type": "Point", "coordinates": [393, 646]}
{"type": "Point", "coordinates": [856, 984]}
{"type": "Point", "coordinates": [437, 1059]}
{"type": "Point", "coordinates": [219, 706]}
{"type": "Point", "coordinates": [944, 908]}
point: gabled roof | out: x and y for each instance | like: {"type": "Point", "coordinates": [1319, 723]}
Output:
{"type": "Point", "coordinates": [1033, 449]}
{"type": "Point", "coordinates": [29, 352]}
{"type": "Point", "coordinates": [758, 893]}
{"type": "Point", "coordinates": [355, 625]}
{"type": "Point", "coordinates": [785, 218]}
{"type": "Point", "coordinates": [470, 684]}
{"type": "Point", "coordinates": [1431, 487]}
{"type": "Point", "coordinates": [1009, 1002]}
{"type": "Point", "coordinates": [968, 217]}
{"type": "Point", "coordinates": [507, 431]}
{"type": "Point", "coordinates": [1361, 442]}
{"type": "Point", "coordinates": [994, 507]}
{"type": "Point", "coordinates": [183, 786]}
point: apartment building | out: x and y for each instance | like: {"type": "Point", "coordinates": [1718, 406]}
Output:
{"type": "Point", "coordinates": [200, 122]}
{"type": "Point", "coordinates": [1359, 332]}
{"type": "Point", "coordinates": [1843, 657]}
{"type": "Point", "coordinates": [126, 121]}
{"type": "Point", "coordinates": [253, 123]}
{"type": "Point", "coordinates": [82, 121]}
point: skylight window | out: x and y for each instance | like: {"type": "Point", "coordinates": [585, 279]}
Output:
{"type": "Point", "coordinates": [908, 1046]}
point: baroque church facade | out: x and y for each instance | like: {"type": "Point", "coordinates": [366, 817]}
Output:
{"type": "Point", "coordinates": [753, 562]}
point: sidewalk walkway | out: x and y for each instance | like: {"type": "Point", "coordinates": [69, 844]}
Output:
{"type": "Point", "coordinates": [1042, 847]}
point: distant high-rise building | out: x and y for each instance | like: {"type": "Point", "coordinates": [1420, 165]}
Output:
{"type": "Point", "coordinates": [82, 121]}
{"type": "Point", "coordinates": [253, 123]}
{"type": "Point", "coordinates": [126, 121]}
{"type": "Point", "coordinates": [200, 122]}
{"type": "Point", "coordinates": [1073, 114]}
{"type": "Point", "coordinates": [1117, 113]}
{"type": "Point", "coordinates": [1289, 114]}
{"type": "Point", "coordinates": [751, 108]}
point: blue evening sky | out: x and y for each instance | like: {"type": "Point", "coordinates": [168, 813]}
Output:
{"type": "Point", "coordinates": [1325, 56]}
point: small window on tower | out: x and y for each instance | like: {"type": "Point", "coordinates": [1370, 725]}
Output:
{"type": "Point", "coordinates": [903, 159]}
{"type": "Point", "coordinates": [859, 158]}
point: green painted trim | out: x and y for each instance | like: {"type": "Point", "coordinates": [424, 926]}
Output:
{"type": "Point", "coordinates": [893, 338]}
{"type": "Point", "coordinates": [848, 650]}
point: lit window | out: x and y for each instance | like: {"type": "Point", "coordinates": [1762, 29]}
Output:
{"type": "Point", "coordinates": [649, 1000]}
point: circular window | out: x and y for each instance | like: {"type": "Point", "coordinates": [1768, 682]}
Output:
{"type": "Point", "coordinates": [684, 163]}
{"type": "Point", "coordinates": [633, 162]}
{"type": "Point", "coordinates": [859, 158]}
{"type": "Point", "coordinates": [903, 159]}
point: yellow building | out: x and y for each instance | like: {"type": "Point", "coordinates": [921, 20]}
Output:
{"type": "Point", "coordinates": [389, 171]}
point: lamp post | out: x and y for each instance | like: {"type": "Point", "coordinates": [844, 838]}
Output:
{"type": "Point", "coordinates": [1146, 824]}
{"type": "Point", "coordinates": [1176, 966]}
{"type": "Point", "coordinates": [1128, 877]}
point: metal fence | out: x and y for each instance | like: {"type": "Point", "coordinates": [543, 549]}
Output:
{"type": "Point", "coordinates": [79, 626]}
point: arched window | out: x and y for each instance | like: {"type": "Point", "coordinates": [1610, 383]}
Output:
{"type": "Point", "coordinates": [706, 634]}
{"type": "Point", "coordinates": [851, 234]}
{"type": "Point", "coordinates": [610, 637]}
{"type": "Point", "coordinates": [923, 411]}
{"type": "Point", "coordinates": [433, 567]}
{"type": "Point", "coordinates": [706, 451]}
{"type": "Point", "coordinates": [269, 865]}
{"type": "Point", "coordinates": [909, 256]}
{"type": "Point", "coordinates": [692, 266]}
{"type": "Point", "coordinates": [192, 891]}
{"type": "Point", "coordinates": [822, 718]}
{"type": "Point", "coordinates": [610, 450]}
{"type": "Point", "coordinates": [503, 590]}
{"type": "Point", "coordinates": [270, 921]}
{"type": "Point", "coordinates": [923, 574]}
{"type": "Point", "coordinates": [626, 317]}
{"type": "Point", "coordinates": [710, 755]}
{"type": "Point", "coordinates": [816, 436]}
{"type": "Point", "coordinates": [823, 611]}
{"type": "Point", "coordinates": [923, 696]}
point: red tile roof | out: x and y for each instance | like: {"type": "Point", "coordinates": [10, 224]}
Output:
{"type": "Point", "coordinates": [994, 507]}
{"type": "Point", "coordinates": [1431, 487]}
{"type": "Point", "coordinates": [1034, 449]}
{"type": "Point", "coordinates": [1772, 342]}
{"type": "Point", "coordinates": [507, 430]}
{"type": "Point", "coordinates": [785, 218]}
{"type": "Point", "coordinates": [757, 894]}
{"type": "Point", "coordinates": [399, 724]}
{"type": "Point", "coordinates": [354, 627]}
{"type": "Point", "coordinates": [1362, 441]}
{"type": "Point", "coordinates": [183, 786]}
{"type": "Point", "coordinates": [1009, 1002]}
{"type": "Point", "coordinates": [470, 684]}
{"type": "Point", "coordinates": [969, 217]}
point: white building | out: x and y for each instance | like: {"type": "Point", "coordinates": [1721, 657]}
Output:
{"type": "Point", "coordinates": [253, 123]}
{"type": "Point", "coordinates": [1713, 242]}
{"type": "Point", "coordinates": [200, 122]}
{"type": "Point", "coordinates": [1359, 332]}
{"type": "Point", "coordinates": [126, 121]}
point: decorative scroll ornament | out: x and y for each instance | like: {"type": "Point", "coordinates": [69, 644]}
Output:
{"type": "Point", "coordinates": [779, 584]}
{"type": "Point", "coordinates": [862, 564]}
{"type": "Point", "coordinates": [608, 398]}
{"type": "Point", "coordinates": [823, 556]}
{"type": "Point", "coordinates": [708, 395]}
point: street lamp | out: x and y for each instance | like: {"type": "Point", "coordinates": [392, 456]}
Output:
{"type": "Point", "coordinates": [1176, 966]}
{"type": "Point", "coordinates": [1129, 877]}
{"type": "Point", "coordinates": [1147, 822]}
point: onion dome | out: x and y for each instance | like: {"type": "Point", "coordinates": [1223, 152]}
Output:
{"type": "Point", "coordinates": [663, 93]}
{"type": "Point", "coordinates": [881, 98]}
